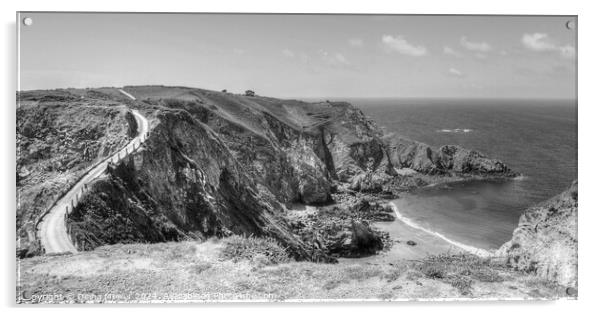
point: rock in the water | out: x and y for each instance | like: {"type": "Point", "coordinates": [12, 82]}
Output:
{"type": "Point", "coordinates": [448, 159]}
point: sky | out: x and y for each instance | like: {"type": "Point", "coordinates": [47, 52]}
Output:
{"type": "Point", "coordinates": [305, 56]}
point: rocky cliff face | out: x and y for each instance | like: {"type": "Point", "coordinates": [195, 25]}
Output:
{"type": "Point", "coordinates": [59, 135]}
{"type": "Point", "coordinates": [545, 241]}
{"type": "Point", "coordinates": [184, 183]}
{"type": "Point", "coordinates": [259, 154]}
{"type": "Point", "coordinates": [295, 149]}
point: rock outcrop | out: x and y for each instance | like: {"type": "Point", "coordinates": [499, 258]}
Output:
{"type": "Point", "coordinates": [545, 241]}
{"type": "Point", "coordinates": [339, 232]}
{"type": "Point", "coordinates": [448, 159]}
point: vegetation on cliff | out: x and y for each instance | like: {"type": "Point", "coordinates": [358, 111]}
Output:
{"type": "Point", "coordinates": [60, 135]}
{"type": "Point", "coordinates": [545, 242]}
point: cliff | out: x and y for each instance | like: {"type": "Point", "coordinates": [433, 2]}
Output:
{"type": "Point", "coordinates": [217, 164]}
{"type": "Point", "coordinates": [183, 184]}
{"type": "Point", "coordinates": [59, 135]}
{"type": "Point", "coordinates": [545, 241]}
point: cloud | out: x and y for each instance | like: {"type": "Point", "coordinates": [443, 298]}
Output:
{"type": "Point", "coordinates": [340, 59]}
{"type": "Point", "coordinates": [317, 59]}
{"type": "Point", "coordinates": [400, 45]}
{"type": "Point", "coordinates": [567, 51]}
{"type": "Point", "coordinates": [455, 72]}
{"type": "Point", "coordinates": [452, 52]}
{"type": "Point", "coordinates": [541, 42]}
{"type": "Point", "coordinates": [356, 42]}
{"type": "Point", "coordinates": [475, 46]}
{"type": "Point", "coordinates": [288, 53]}
{"type": "Point", "coordinates": [334, 59]}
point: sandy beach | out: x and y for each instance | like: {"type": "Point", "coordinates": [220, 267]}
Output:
{"type": "Point", "coordinates": [401, 233]}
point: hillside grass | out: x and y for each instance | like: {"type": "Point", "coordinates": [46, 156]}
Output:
{"type": "Point", "coordinates": [255, 269]}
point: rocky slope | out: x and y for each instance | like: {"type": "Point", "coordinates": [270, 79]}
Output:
{"type": "Point", "coordinates": [183, 184]}
{"type": "Point", "coordinates": [217, 164]}
{"type": "Point", "coordinates": [545, 241]}
{"type": "Point", "coordinates": [59, 135]}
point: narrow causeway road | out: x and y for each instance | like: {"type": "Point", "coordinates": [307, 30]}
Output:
{"type": "Point", "coordinates": [52, 229]}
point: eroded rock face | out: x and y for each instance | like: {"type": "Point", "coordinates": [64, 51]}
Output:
{"type": "Point", "coordinates": [448, 159]}
{"type": "Point", "coordinates": [310, 173]}
{"type": "Point", "coordinates": [185, 183]}
{"type": "Point", "coordinates": [545, 241]}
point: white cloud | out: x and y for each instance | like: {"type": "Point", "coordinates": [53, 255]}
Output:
{"type": "Point", "coordinates": [541, 42]}
{"type": "Point", "coordinates": [341, 59]}
{"type": "Point", "coordinates": [475, 46]}
{"type": "Point", "coordinates": [538, 42]}
{"type": "Point", "coordinates": [400, 45]}
{"type": "Point", "coordinates": [567, 51]}
{"type": "Point", "coordinates": [288, 53]}
{"type": "Point", "coordinates": [356, 42]}
{"type": "Point", "coordinates": [455, 72]}
{"type": "Point", "coordinates": [334, 59]}
{"type": "Point", "coordinates": [450, 51]}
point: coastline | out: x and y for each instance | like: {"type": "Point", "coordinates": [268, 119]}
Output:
{"type": "Point", "coordinates": [426, 242]}
{"type": "Point", "coordinates": [408, 222]}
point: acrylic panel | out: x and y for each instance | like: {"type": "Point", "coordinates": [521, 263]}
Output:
{"type": "Point", "coordinates": [202, 157]}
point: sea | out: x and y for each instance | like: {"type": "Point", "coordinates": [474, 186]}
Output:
{"type": "Point", "coordinates": [537, 138]}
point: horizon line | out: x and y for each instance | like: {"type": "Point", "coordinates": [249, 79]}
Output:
{"type": "Point", "coordinates": [316, 97]}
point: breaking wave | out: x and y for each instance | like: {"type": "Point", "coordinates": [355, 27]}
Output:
{"type": "Point", "coordinates": [456, 130]}
{"type": "Point", "coordinates": [473, 250]}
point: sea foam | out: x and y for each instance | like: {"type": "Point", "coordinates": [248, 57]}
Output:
{"type": "Point", "coordinates": [470, 249]}
{"type": "Point", "coordinates": [456, 130]}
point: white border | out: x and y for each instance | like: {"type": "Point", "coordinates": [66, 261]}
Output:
{"type": "Point", "coordinates": [589, 149]}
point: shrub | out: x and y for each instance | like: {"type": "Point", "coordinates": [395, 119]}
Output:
{"type": "Point", "coordinates": [255, 249]}
{"type": "Point", "coordinates": [463, 284]}
{"type": "Point", "coordinates": [331, 284]}
{"type": "Point", "coordinates": [460, 270]}
{"type": "Point", "coordinates": [201, 267]}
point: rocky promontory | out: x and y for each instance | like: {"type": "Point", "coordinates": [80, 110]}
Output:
{"type": "Point", "coordinates": [545, 241]}
{"type": "Point", "coordinates": [447, 160]}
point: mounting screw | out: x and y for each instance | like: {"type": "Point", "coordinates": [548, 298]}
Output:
{"type": "Point", "coordinates": [28, 21]}
{"type": "Point", "coordinates": [570, 24]}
